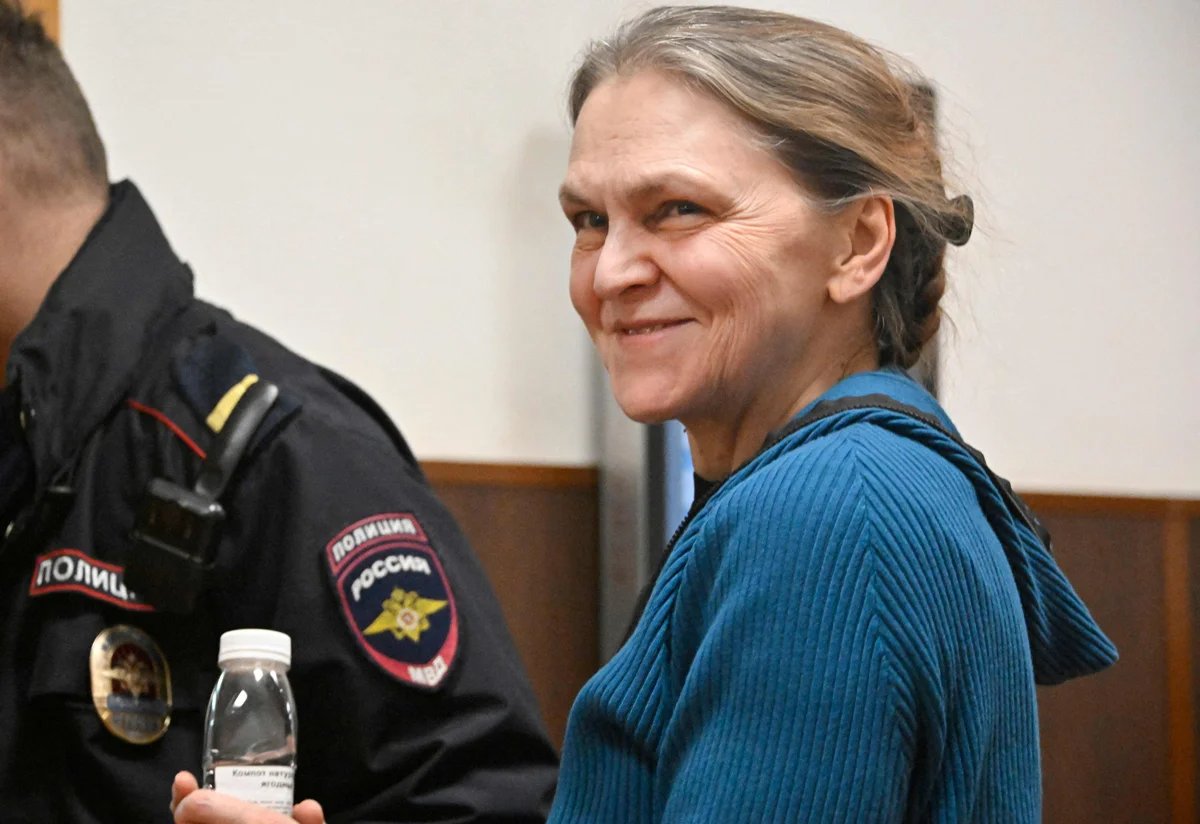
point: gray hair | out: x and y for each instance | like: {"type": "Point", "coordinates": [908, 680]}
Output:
{"type": "Point", "coordinates": [847, 118]}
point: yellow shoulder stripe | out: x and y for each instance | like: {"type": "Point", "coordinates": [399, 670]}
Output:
{"type": "Point", "coordinates": [220, 413]}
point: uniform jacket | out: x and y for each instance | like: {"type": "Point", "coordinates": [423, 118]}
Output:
{"type": "Point", "coordinates": [848, 629]}
{"type": "Point", "coordinates": [412, 704]}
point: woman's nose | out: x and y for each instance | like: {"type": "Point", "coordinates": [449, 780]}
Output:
{"type": "Point", "coordinates": [624, 262]}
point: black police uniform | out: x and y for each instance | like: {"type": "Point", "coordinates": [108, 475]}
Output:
{"type": "Point", "coordinates": [411, 700]}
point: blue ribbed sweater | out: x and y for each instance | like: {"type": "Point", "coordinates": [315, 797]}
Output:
{"type": "Point", "coordinates": [847, 631]}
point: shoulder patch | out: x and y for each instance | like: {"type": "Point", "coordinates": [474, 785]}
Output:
{"type": "Point", "coordinates": [395, 597]}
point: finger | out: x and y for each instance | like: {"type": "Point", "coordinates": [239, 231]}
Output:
{"type": "Point", "coordinates": [210, 807]}
{"type": "Point", "coordinates": [184, 784]}
{"type": "Point", "coordinates": [308, 812]}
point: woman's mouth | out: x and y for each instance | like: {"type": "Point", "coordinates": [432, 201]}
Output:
{"type": "Point", "coordinates": [649, 328]}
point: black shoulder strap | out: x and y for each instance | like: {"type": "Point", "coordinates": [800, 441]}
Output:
{"type": "Point", "coordinates": [825, 410]}
{"type": "Point", "coordinates": [828, 409]}
{"type": "Point", "coordinates": [222, 460]}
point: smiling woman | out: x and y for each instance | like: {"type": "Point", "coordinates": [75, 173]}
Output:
{"type": "Point", "coordinates": [851, 620]}
{"type": "Point", "coordinates": [740, 271]}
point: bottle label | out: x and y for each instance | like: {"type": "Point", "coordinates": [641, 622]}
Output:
{"type": "Point", "coordinates": [267, 786]}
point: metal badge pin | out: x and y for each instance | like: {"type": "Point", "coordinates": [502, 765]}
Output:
{"type": "Point", "coordinates": [131, 684]}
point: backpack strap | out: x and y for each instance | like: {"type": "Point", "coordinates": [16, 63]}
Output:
{"type": "Point", "coordinates": [831, 408]}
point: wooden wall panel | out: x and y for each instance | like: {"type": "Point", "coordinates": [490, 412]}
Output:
{"type": "Point", "coordinates": [1178, 631]}
{"type": "Point", "coordinates": [535, 531]}
{"type": "Point", "coordinates": [48, 11]}
{"type": "Point", "coordinates": [1122, 746]}
{"type": "Point", "coordinates": [1194, 557]}
{"type": "Point", "coordinates": [1104, 740]}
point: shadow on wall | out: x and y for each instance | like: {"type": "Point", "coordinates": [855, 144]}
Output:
{"type": "Point", "coordinates": [534, 313]}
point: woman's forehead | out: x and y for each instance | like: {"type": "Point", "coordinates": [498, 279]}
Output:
{"type": "Point", "coordinates": [646, 129]}
{"type": "Point", "coordinates": [649, 105]}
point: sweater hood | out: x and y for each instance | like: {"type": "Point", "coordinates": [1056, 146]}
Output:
{"type": "Point", "coordinates": [1064, 640]}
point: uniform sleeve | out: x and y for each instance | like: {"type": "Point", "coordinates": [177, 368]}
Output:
{"type": "Point", "coordinates": [412, 702]}
{"type": "Point", "coordinates": [802, 693]}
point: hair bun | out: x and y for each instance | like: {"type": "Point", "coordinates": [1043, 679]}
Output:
{"type": "Point", "coordinates": [957, 227]}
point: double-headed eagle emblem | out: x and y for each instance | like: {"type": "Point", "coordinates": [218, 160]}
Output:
{"type": "Point", "coordinates": [405, 615]}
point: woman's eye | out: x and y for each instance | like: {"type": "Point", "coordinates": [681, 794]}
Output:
{"type": "Point", "coordinates": [679, 208]}
{"type": "Point", "coordinates": [589, 220]}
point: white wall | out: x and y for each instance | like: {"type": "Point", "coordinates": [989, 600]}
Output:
{"type": "Point", "coordinates": [373, 181]}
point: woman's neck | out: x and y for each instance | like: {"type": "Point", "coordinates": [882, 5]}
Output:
{"type": "Point", "coordinates": [719, 447]}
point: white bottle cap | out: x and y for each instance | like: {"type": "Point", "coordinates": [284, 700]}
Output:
{"type": "Point", "coordinates": [266, 644]}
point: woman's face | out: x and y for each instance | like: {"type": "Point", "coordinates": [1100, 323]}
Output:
{"type": "Point", "coordinates": [699, 267]}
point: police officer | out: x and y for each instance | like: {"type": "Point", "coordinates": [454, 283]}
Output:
{"type": "Point", "coordinates": [121, 392]}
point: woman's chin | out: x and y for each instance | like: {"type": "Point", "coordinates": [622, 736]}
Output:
{"type": "Point", "coordinates": [645, 410]}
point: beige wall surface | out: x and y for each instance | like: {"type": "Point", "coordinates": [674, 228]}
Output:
{"type": "Point", "coordinates": [373, 181]}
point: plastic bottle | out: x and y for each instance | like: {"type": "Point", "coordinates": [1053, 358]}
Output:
{"type": "Point", "coordinates": [250, 724]}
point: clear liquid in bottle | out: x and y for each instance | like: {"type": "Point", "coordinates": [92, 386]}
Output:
{"type": "Point", "coordinates": [250, 723]}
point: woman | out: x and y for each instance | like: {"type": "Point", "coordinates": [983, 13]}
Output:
{"type": "Point", "coordinates": [849, 625]}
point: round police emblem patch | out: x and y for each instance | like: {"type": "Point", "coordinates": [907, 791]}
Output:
{"type": "Point", "coordinates": [131, 684]}
{"type": "Point", "coordinates": [396, 598]}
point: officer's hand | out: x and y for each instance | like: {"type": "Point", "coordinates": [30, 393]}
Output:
{"type": "Point", "coordinates": [192, 805]}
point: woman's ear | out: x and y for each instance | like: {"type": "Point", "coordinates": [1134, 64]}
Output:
{"type": "Point", "coordinates": [870, 232]}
